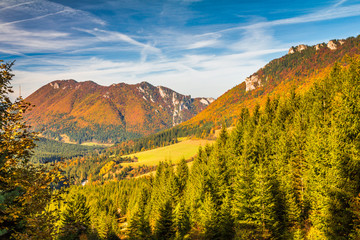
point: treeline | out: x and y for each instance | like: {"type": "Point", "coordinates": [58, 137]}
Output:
{"type": "Point", "coordinates": [80, 166]}
{"type": "Point", "coordinates": [289, 170]}
{"type": "Point", "coordinates": [163, 138]}
{"type": "Point", "coordinates": [96, 133]}
{"type": "Point", "coordinates": [47, 150]}
{"type": "Point", "coordinates": [100, 167]}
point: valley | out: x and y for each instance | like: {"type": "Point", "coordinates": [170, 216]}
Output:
{"type": "Point", "coordinates": [275, 157]}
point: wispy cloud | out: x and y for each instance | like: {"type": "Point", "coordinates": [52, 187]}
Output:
{"type": "Point", "coordinates": [322, 15]}
{"type": "Point", "coordinates": [202, 44]}
{"type": "Point", "coordinates": [37, 37]}
{"type": "Point", "coordinates": [111, 36]}
{"type": "Point", "coordinates": [35, 18]}
{"type": "Point", "coordinates": [189, 70]}
{"type": "Point", "coordinates": [15, 5]}
{"type": "Point", "coordinates": [339, 3]}
{"type": "Point", "coordinates": [163, 49]}
{"type": "Point", "coordinates": [332, 12]}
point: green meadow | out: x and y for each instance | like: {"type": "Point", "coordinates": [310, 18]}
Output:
{"type": "Point", "coordinates": [174, 153]}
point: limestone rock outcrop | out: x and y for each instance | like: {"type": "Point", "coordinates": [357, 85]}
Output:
{"type": "Point", "coordinates": [252, 82]}
{"type": "Point", "coordinates": [332, 45]}
{"type": "Point", "coordinates": [298, 48]}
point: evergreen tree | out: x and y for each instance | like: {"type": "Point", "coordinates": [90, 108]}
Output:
{"type": "Point", "coordinates": [182, 221]}
{"type": "Point", "coordinates": [263, 203]}
{"type": "Point", "coordinates": [182, 175]}
{"type": "Point", "coordinates": [164, 227]}
{"type": "Point", "coordinates": [209, 218]}
{"type": "Point", "coordinates": [165, 188]}
{"type": "Point", "coordinates": [226, 221]}
{"type": "Point", "coordinates": [197, 186]}
{"type": "Point", "coordinates": [139, 228]}
{"type": "Point", "coordinates": [75, 218]}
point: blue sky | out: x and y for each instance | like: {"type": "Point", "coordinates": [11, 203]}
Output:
{"type": "Point", "coordinates": [196, 47]}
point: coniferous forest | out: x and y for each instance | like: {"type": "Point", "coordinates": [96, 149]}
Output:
{"type": "Point", "coordinates": [289, 170]}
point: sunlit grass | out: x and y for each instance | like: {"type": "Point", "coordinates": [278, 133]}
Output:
{"type": "Point", "coordinates": [174, 153]}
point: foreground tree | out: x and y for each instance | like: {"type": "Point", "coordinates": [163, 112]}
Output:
{"type": "Point", "coordinates": [139, 227]}
{"type": "Point", "coordinates": [164, 228]}
{"type": "Point", "coordinates": [25, 189]}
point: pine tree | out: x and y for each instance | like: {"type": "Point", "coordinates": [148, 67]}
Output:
{"type": "Point", "coordinates": [164, 227]}
{"type": "Point", "coordinates": [243, 184]}
{"type": "Point", "coordinates": [226, 226]}
{"type": "Point", "coordinates": [103, 225]}
{"type": "Point", "coordinates": [165, 188]}
{"type": "Point", "coordinates": [75, 219]}
{"type": "Point", "coordinates": [139, 227]}
{"type": "Point", "coordinates": [181, 221]}
{"type": "Point", "coordinates": [264, 203]}
{"type": "Point", "coordinates": [198, 185]}
{"type": "Point", "coordinates": [182, 175]}
{"type": "Point", "coordinates": [209, 218]}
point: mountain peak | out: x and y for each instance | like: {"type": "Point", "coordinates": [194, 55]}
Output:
{"type": "Point", "coordinates": [258, 79]}
{"type": "Point", "coordinates": [301, 68]}
{"type": "Point", "coordinates": [86, 111]}
{"type": "Point", "coordinates": [144, 83]}
{"type": "Point", "coordinates": [70, 84]}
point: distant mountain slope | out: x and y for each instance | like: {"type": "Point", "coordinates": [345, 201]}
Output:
{"type": "Point", "coordinates": [86, 111]}
{"type": "Point", "coordinates": [300, 68]}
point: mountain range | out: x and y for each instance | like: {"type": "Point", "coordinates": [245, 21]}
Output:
{"type": "Point", "coordinates": [299, 69]}
{"type": "Point", "coordinates": [79, 112]}
{"type": "Point", "coordinates": [86, 111]}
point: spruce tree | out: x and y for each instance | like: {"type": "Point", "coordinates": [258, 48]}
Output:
{"type": "Point", "coordinates": [226, 226]}
{"type": "Point", "coordinates": [181, 221]}
{"type": "Point", "coordinates": [197, 186]}
{"type": "Point", "coordinates": [182, 175]}
{"type": "Point", "coordinates": [75, 219]}
{"type": "Point", "coordinates": [164, 227]}
{"type": "Point", "coordinates": [209, 218]}
{"type": "Point", "coordinates": [139, 227]}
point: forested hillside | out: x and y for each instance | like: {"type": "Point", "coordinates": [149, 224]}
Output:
{"type": "Point", "coordinates": [300, 68]}
{"type": "Point", "coordinates": [78, 112]}
{"type": "Point", "coordinates": [289, 170]}
{"type": "Point", "coordinates": [47, 150]}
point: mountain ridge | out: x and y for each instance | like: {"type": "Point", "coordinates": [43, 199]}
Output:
{"type": "Point", "coordinates": [298, 69]}
{"type": "Point", "coordinates": [130, 110]}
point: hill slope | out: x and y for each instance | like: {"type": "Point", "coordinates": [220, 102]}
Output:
{"type": "Point", "coordinates": [300, 68]}
{"type": "Point", "coordinates": [86, 111]}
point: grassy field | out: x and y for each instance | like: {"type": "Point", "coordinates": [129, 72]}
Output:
{"type": "Point", "coordinates": [65, 139]}
{"type": "Point", "coordinates": [174, 153]}
{"type": "Point", "coordinates": [97, 144]}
